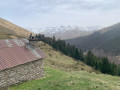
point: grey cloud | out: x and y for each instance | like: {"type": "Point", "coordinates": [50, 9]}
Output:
{"type": "Point", "coordinates": [56, 12]}
{"type": "Point", "coordinates": [70, 5]}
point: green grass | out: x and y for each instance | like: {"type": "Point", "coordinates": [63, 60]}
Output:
{"type": "Point", "coordinates": [56, 59]}
{"type": "Point", "coordinates": [56, 79]}
{"type": "Point", "coordinates": [64, 73]}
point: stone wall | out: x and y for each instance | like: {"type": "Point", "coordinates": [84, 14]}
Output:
{"type": "Point", "coordinates": [25, 72]}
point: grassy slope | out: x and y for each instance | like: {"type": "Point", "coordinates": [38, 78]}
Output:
{"type": "Point", "coordinates": [63, 73]}
{"type": "Point", "coordinates": [56, 59]}
{"type": "Point", "coordinates": [10, 30]}
{"type": "Point", "coordinates": [77, 80]}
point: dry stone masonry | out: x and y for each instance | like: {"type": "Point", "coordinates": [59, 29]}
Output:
{"type": "Point", "coordinates": [20, 73]}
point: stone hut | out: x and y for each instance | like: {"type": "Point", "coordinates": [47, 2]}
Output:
{"type": "Point", "coordinates": [19, 61]}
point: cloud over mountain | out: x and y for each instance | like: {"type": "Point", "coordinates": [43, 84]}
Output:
{"type": "Point", "coordinates": [43, 13]}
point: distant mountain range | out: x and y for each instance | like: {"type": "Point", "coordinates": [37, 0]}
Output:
{"type": "Point", "coordinates": [66, 32]}
{"type": "Point", "coordinates": [105, 41]}
{"type": "Point", "coordinates": [70, 73]}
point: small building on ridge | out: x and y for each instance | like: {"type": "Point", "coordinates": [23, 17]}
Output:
{"type": "Point", "coordinates": [20, 61]}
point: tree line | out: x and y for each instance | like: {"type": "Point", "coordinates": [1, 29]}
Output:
{"type": "Point", "coordinates": [101, 64]}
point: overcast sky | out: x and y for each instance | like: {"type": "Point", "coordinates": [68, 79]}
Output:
{"type": "Point", "coordinates": [47, 13]}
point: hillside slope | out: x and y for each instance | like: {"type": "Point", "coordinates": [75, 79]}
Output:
{"type": "Point", "coordinates": [10, 30]}
{"type": "Point", "coordinates": [63, 73]}
{"type": "Point", "coordinates": [106, 39]}
{"type": "Point", "coordinates": [56, 59]}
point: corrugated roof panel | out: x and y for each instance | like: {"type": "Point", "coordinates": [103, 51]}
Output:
{"type": "Point", "coordinates": [34, 51]}
{"type": "Point", "coordinates": [40, 52]}
{"type": "Point", "coordinates": [8, 43]}
{"type": "Point", "coordinates": [12, 56]}
{"type": "Point", "coordinates": [1, 46]}
{"type": "Point", "coordinates": [1, 64]}
{"type": "Point", "coordinates": [15, 52]}
{"type": "Point", "coordinates": [13, 43]}
{"type": "Point", "coordinates": [1, 67]}
{"type": "Point", "coordinates": [3, 43]}
{"type": "Point", "coordinates": [19, 42]}
{"type": "Point", "coordinates": [5, 58]}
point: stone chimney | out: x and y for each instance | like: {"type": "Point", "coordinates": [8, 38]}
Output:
{"type": "Point", "coordinates": [33, 41]}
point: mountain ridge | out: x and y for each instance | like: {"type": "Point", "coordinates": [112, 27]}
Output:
{"type": "Point", "coordinates": [66, 74]}
{"type": "Point", "coordinates": [97, 38]}
{"type": "Point", "coordinates": [68, 32]}
{"type": "Point", "coordinates": [63, 72]}
{"type": "Point", "coordinates": [10, 30]}
{"type": "Point", "coordinates": [106, 40]}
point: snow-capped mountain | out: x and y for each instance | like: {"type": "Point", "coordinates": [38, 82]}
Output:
{"type": "Point", "coordinates": [66, 32]}
{"type": "Point", "coordinates": [62, 29]}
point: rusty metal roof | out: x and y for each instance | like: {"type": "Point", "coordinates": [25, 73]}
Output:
{"type": "Point", "coordinates": [14, 52]}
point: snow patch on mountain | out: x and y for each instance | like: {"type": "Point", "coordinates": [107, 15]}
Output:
{"type": "Point", "coordinates": [62, 29]}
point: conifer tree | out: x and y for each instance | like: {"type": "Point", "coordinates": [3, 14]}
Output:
{"type": "Point", "coordinates": [98, 63]}
{"type": "Point", "coordinates": [105, 67]}
{"type": "Point", "coordinates": [81, 55]}
{"type": "Point", "coordinates": [77, 55]}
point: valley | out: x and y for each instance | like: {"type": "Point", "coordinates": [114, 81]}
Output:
{"type": "Point", "coordinates": [60, 45]}
{"type": "Point", "coordinates": [106, 41]}
{"type": "Point", "coordinates": [63, 72]}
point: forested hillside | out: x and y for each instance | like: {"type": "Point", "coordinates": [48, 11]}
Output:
{"type": "Point", "coordinates": [66, 67]}
{"type": "Point", "coordinates": [107, 39]}
{"type": "Point", "coordinates": [101, 64]}
{"type": "Point", "coordinates": [64, 73]}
